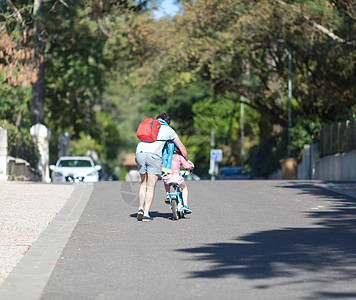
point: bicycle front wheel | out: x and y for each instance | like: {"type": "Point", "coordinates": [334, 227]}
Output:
{"type": "Point", "coordinates": [175, 209]}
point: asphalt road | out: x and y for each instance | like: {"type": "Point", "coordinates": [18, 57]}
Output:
{"type": "Point", "coordinates": [244, 240]}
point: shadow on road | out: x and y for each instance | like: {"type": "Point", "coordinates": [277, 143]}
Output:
{"type": "Point", "coordinates": [156, 214]}
{"type": "Point", "coordinates": [330, 247]}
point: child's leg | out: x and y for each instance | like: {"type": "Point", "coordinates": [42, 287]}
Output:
{"type": "Point", "coordinates": [167, 187]}
{"type": "Point", "coordinates": [184, 189]}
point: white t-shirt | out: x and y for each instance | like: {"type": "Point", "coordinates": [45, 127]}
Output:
{"type": "Point", "coordinates": [165, 133]}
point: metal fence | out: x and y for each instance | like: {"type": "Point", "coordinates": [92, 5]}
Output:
{"type": "Point", "coordinates": [338, 138]}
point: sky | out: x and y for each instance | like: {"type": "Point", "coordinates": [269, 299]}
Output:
{"type": "Point", "coordinates": [168, 7]}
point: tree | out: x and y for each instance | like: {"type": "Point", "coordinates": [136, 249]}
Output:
{"type": "Point", "coordinates": [79, 44]}
{"type": "Point", "coordinates": [38, 89]}
{"type": "Point", "coordinates": [213, 52]}
{"type": "Point", "coordinates": [16, 69]}
{"type": "Point", "coordinates": [232, 47]}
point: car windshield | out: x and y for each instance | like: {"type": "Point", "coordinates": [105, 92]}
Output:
{"type": "Point", "coordinates": [75, 163]}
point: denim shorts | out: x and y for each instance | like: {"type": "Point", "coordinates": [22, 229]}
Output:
{"type": "Point", "coordinates": [148, 163]}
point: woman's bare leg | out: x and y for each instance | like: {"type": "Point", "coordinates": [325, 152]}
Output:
{"type": "Point", "coordinates": [142, 192]}
{"type": "Point", "coordinates": [150, 190]}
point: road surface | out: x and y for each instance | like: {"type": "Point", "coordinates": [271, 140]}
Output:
{"type": "Point", "coordinates": [244, 240]}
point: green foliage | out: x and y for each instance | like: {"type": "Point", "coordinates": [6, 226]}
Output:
{"type": "Point", "coordinates": [223, 117]}
{"type": "Point", "coordinates": [233, 47]}
{"type": "Point", "coordinates": [264, 158]}
{"type": "Point", "coordinates": [14, 103]}
{"type": "Point", "coordinates": [21, 144]}
{"type": "Point", "coordinates": [109, 64]}
{"type": "Point", "coordinates": [75, 70]}
{"type": "Point", "coordinates": [178, 104]}
{"type": "Point", "coordinates": [123, 104]}
{"type": "Point", "coordinates": [84, 145]}
{"type": "Point", "coordinates": [105, 142]}
{"type": "Point", "coordinates": [304, 132]}
{"type": "Point", "coordinates": [108, 135]}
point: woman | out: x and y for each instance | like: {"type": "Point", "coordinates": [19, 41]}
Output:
{"type": "Point", "coordinates": [149, 163]}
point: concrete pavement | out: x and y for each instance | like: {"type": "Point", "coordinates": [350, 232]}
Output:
{"type": "Point", "coordinates": [347, 188]}
{"type": "Point", "coordinates": [26, 209]}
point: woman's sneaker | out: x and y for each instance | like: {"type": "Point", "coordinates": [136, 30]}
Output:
{"type": "Point", "coordinates": [140, 215]}
{"type": "Point", "coordinates": [187, 210]}
{"type": "Point", "coordinates": [167, 199]}
{"type": "Point", "coordinates": [147, 219]}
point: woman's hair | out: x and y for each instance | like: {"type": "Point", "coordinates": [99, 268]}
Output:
{"type": "Point", "coordinates": [164, 117]}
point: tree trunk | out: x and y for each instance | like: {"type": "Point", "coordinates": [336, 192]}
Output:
{"type": "Point", "coordinates": [37, 113]}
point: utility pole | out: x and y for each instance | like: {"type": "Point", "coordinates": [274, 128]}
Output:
{"type": "Point", "coordinates": [212, 169]}
{"type": "Point", "coordinates": [242, 112]}
{"type": "Point", "coordinates": [37, 113]}
{"type": "Point", "coordinates": [289, 53]}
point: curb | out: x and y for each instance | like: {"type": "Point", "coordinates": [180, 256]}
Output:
{"type": "Point", "coordinates": [337, 189]}
{"type": "Point", "coordinates": [30, 276]}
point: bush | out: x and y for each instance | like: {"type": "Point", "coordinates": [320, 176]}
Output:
{"type": "Point", "coordinates": [21, 144]}
{"type": "Point", "coordinates": [305, 131]}
{"type": "Point", "coordinates": [264, 158]}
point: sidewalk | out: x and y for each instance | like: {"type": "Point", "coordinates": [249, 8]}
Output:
{"type": "Point", "coordinates": [346, 188]}
{"type": "Point", "coordinates": [26, 209]}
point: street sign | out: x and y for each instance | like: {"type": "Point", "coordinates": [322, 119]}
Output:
{"type": "Point", "coordinates": [216, 155]}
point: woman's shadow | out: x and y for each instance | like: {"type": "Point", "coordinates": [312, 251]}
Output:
{"type": "Point", "coordinates": [156, 214]}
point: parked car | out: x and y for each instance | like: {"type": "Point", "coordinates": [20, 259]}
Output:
{"type": "Point", "coordinates": [234, 173]}
{"type": "Point", "coordinates": [75, 169]}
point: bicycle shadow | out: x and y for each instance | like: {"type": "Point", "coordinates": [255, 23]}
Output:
{"type": "Point", "coordinates": [330, 247]}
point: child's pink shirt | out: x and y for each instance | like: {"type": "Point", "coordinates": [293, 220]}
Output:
{"type": "Point", "coordinates": [178, 160]}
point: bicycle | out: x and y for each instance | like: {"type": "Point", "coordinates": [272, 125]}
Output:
{"type": "Point", "coordinates": [176, 201]}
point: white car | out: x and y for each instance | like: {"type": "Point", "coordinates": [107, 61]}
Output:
{"type": "Point", "coordinates": [75, 169]}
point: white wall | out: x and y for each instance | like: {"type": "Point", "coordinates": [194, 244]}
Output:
{"type": "Point", "coordinates": [341, 166]}
{"type": "Point", "coordinates": [3, 154]}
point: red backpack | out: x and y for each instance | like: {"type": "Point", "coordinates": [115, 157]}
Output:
{"type": "Point", "coordinates": [148, 130]}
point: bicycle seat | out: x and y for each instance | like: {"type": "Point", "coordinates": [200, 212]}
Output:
{"type": "Point", "coordinates": [174, 184]}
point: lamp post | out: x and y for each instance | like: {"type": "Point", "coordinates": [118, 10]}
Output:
{"type": "Point", "coordinates": [289, 54]}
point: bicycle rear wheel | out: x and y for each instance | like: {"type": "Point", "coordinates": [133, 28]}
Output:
{"type": "Point", "coordinates": [174, 209]}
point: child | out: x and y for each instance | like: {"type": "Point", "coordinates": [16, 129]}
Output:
{"type": "Point", "coordinates": [175, 176]}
